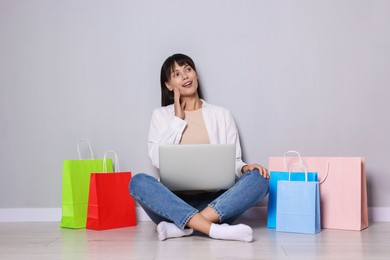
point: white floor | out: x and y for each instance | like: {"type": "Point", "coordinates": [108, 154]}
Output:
{"type": "Point", "coordinates": [46, 240]}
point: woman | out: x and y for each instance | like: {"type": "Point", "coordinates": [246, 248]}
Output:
{"type": "Point", "coordinates": [186, 118]}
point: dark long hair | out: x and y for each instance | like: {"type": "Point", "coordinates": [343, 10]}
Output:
{"type": "Point", "coordinates": [166, 70]}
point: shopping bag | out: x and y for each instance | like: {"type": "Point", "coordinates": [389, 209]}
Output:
{"type": "Point", "coordinates": [283, 174]}
{"type": "Point", "coordinates": [110, 204]}
{"type": "Point", "coordinates": [343, 191]}
{"type": "Point", "coordinates": [75, 187]}
{"type": "Point", "coordinates": [298, 206]}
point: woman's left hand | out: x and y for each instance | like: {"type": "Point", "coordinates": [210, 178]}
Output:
{"type": "Point", "coordinates": [262, 170]}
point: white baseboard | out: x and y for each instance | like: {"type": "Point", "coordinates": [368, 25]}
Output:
{"type": "Point", "coordinates": [379, 214]}
{"type": "Point", "coordinates": [376, 214]}
{"type": "Point", "coordinates": [30, 214]}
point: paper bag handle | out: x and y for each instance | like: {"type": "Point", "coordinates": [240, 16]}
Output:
{"type": "Point", "coordinates": [90, 149]}
{"type": "Point", "coordinates": [116, 161]}
{"type": "Point", "coordinates": [327, 173]}
{"type": "Point", "coordinates": [303, 167]}
{"type": "Point", "coordinates": [284, 160]}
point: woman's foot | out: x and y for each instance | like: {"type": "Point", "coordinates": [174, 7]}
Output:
{"type": "Point", "coordinates": [169, 230]}
{"type": "Point", "coordinates": [238, 232]}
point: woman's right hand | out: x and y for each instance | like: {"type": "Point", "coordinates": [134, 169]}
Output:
{"type": "Point", "coordinates": [179, 106]}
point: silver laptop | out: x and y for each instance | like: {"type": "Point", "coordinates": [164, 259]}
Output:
{"type": "Point", "coordinates": [197, 166]}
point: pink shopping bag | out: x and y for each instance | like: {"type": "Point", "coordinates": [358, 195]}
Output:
{"type": "Point", "coordinates": [343, 189]}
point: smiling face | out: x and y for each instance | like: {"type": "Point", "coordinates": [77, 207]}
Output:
{"type": "Point", "coordinates": [184, 78]}
{"type": "Point", "coordinates": [168, 80]}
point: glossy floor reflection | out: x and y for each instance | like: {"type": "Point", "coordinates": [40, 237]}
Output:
{"type": "Point", "coordinates": [49, 241]}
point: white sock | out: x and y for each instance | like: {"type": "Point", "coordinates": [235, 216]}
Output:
{"type": "Point", "coordinates": [238, 232]}
{"type": "Point", "coordinates": [168, 230]}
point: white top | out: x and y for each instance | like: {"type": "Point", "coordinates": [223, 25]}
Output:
{"type": "Point", "coordinates": [166, 128]}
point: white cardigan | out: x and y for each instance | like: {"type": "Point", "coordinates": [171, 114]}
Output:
{"type": "Point", "coordinates": [166, 128]}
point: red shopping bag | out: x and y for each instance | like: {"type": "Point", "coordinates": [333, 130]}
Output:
{"type": "Point", "coordinates": [110, 204]}
{"type": "Point", "coordinates": [343, 189]}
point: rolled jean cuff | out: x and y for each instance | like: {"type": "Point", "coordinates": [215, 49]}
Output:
{"type": "Point", "coordinates": [219, 213]}
{"type": "Point", "coordinates": [183, 224]}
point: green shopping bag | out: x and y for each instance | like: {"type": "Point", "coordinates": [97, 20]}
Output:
{"type": "Point", "coordinates": [75, 187]}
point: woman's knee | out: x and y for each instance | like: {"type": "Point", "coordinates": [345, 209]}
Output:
{"type": "Point", "coordinates": [264, 186]}
{"type": "Point", "coordinates": [261, 184]}
{"type": "Point", "coordinates": [137, 182]}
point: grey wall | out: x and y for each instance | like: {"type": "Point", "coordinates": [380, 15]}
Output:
{"type": "Point", "coordinates": [306, 75]}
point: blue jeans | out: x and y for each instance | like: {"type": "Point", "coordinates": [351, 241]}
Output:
{"type": "Point", "coordinates": [161, 204]}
